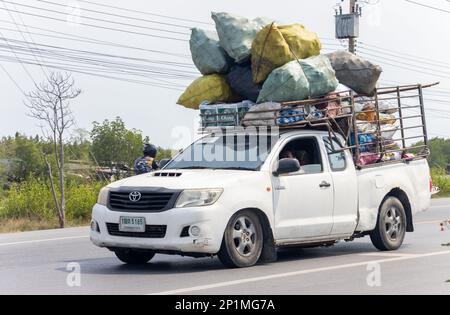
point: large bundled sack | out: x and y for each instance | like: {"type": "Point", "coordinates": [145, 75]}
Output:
{"type": "Point", "coordinates": [299, 80]}
{"type": "Point", "coordinates": [211, 88]}
{"type": "Point", "coordinates": [320, 74]}
{"type": "Point", "coordinates": [274, 46]}
{"type": "Point", "coordinates": [355, 72]}
{"type": "Point", "coordinates": [287, 83]}
{"type": "Point", "coordinates": [208, 56]}
{"type": "Point", "coordinates": [240, 80]}
{"type": "Point", "coordinates": [236, 34]}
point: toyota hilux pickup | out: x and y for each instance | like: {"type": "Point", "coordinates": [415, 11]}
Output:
{"type": "Point", "coordinates": [242, 197]}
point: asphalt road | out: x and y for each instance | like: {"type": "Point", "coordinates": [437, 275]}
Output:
{"type": "Point", "coordinates": [37, 263]}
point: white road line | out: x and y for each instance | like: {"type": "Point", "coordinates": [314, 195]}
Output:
{"type": "Point", "coordinates": [44, 240]}
{"type": "Point", "coordinates": [440, 206]}
{"type": "Point", "coordinates": [384, 254]}
{"type": "Point", "coordinates": [429, 222]}
{"type": "Point", "coordinates": [294, 273]}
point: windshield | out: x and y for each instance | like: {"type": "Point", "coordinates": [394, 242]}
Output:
{"type": "Point", "coordinates": [239, 152]}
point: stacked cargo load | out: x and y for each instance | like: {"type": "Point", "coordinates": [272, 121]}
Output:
{"type": "Point", "coordinates": [262, 73]}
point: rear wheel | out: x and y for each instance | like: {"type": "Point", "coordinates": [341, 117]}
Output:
{"type": "Point", "coordinates": [391, 226]}
{"type": "Point", "coordinates": [134, 257]}
{"type": "Point", "coordinates": [243, 240]}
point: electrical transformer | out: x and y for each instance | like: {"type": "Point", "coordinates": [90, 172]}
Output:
{"type": "Point", "coordinates": [347, 26]}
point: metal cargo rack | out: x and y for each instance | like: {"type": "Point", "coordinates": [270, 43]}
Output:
{"type": "Point", "coordinates": [409, 121]}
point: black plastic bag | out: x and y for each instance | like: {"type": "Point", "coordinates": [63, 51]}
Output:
{"type": "Point", "coordinates": [240, 79]}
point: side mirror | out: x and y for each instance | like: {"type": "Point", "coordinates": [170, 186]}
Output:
{"type": "Point", "coordinates": [286, 166]}
{"type": "Point", "coordinates": [163, 163]}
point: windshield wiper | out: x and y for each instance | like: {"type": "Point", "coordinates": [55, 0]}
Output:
{"type": "Point", "coordinates": [193, 168]}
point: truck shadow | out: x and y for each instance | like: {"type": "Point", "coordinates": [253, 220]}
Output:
{"type": "Point", "coordinates": [172, 265]}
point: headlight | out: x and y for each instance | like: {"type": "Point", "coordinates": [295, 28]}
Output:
{"type": "Point", "coordinates": [198, 197]}
{"type": "Point", "coordinates": [103, 196]}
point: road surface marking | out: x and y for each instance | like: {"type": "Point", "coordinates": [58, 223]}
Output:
{"type": "Point", "coordinates": [393, 255]}
{"type": "Point", "coordinates": [430, 222]}
{"type": "Point", "coordinates": [294, 273]}
{"type": "Point", "coordinates": [440, 206]}
{"type": "Point", "coordinates": [44, 240]}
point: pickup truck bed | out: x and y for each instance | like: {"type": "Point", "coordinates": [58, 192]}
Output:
{"type": "Point", "coordinates": [413, 178]}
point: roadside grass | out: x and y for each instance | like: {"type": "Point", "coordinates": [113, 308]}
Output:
{"type": "Point", "coordinates": [25, 225]}
{"type": "Point", "coordinates": [29, 206]}
{"type": "Point", "coordinates": [441, 180]}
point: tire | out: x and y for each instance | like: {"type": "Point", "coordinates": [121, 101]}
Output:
{"type": "Point", "coordinates": [390, 231]}
{"type": "Point", "coordinates": [243, 240]}
{"type": "Point", "coordinates": [134, 257]}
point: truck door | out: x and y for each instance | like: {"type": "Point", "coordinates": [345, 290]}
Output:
{"type": "Point", "coordinates": [345, 188]}
{"type": "Point", "coordinates": [303, 201]}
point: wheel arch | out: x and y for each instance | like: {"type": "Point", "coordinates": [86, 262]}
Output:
{"type": "Point", "coordinates": [403, 197]}
{"type": "Point", "coordinates": [269, 250]}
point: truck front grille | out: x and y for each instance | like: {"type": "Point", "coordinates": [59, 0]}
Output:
{"type": "Point", "coordinates": [151, 231]}
{"type": "Point", "coordinates": [149, 201]}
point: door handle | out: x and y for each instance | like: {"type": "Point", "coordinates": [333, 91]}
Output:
{"type": "Point", "coordinates": [324, 184]}
{"type": "Point", "coordinates": [280, 188]}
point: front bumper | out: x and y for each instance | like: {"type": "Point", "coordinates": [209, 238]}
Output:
{"type": "Point", "coordinates": [211, 221]}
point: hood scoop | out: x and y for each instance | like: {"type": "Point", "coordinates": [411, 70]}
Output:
{"type": "Point", "coordinates": [167, 174]}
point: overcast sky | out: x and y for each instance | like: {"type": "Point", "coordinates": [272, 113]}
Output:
{"type": "Point", "coordinates": [395, 25]}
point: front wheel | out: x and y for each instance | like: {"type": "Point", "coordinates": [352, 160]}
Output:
{"type": "Point", "coordinates": [134, 257]}
{"type": "Point", "coordinates": [391, 226]}
{"type": "Point", "coordinates": [243, 240]}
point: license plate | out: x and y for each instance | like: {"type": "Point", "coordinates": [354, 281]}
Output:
{"type": "Point", "coordinates": [132, 224]}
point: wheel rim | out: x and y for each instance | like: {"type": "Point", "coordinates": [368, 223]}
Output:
{"type": "Point", "coordinates": [245, 236]}
{"type": "Point", "coordinates": [393, 224]}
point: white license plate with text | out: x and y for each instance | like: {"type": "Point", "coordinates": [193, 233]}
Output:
{"type": "Point", "coordinates": [132, 224]}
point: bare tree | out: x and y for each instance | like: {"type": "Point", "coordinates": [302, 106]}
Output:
{"type": "Point", "coordinates": [50, 104]}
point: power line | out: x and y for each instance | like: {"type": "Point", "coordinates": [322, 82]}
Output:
{"type": "Point", "coordinates": [64, 68]}
{"type": "Point", "coordinates": [62, 53]}
{"type": "Point", "coordinates": [84, 39]}
{"type": "Point", "coordinates": [427, 6]}
{"type": "Point", "coordinates": [405, 63]}
{"type": "Point", "coordinates": [410, 69]}
{"type": "Point", "coordinates": [165, 62]}
{"type": "Point", "coordinates": [145, 13]}
{"type": "Point", "coordinates": [12, 80]}
{"type": "Point", "coordinates": [98, 20]}
{"type": "Point", "coordinates": [119, 15]}
{"type": "Point", "coordinates": [100, 27]}
{"type": "Point", "coordinates": [421, 61]}
{"type": "Point", "coordinates": [154, 72]}
{"type": "Point", "coordinates": [12, 50]}
{"type": "Point", "coordinates": [99, 68]}
{"type": "Point", "coordinates": [443, 90]}
{"type": "Point", "coordinates": [21, 33]}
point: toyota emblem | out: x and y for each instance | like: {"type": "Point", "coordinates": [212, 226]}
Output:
{"type": "Point", "coordinates": [135, 196]}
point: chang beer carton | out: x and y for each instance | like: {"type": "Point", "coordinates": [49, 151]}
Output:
{"type": "Point", "coordinates": [224, 115]}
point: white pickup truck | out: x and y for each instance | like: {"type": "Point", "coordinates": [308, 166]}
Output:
{"type": "Point", "coordinates": [241, 199]}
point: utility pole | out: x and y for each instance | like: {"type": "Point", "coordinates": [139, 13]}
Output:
{"type": "Point", "coordinates": [347, 25]}
{"type": "Point", "coordinates": [352, 40]}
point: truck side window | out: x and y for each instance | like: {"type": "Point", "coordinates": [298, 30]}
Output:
{"type": "Point", "coordinates": [337, 159]}
{"type": "Point", "coordinates": [306, 151]}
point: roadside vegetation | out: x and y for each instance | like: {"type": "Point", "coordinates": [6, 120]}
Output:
{"type": "Point", "coordinates": [441, 180]}
{"type": "Point", "coordinates": [26, 198]}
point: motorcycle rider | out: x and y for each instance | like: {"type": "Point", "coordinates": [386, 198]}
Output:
{"type": "Point", "coordinates": [147, 163]}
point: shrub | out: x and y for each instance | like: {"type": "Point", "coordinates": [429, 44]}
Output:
{"type": "Point", "coordinates": [32, 199]}
{"type": "Point", "coordinates": [441, 180]}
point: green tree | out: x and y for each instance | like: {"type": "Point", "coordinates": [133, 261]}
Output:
{"type": "Point", "coordinates": [439, 152]}
{"type": "Point", "coordinates": [20, 157]}
{"type": "Point", "coordinates": [114, 145]}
